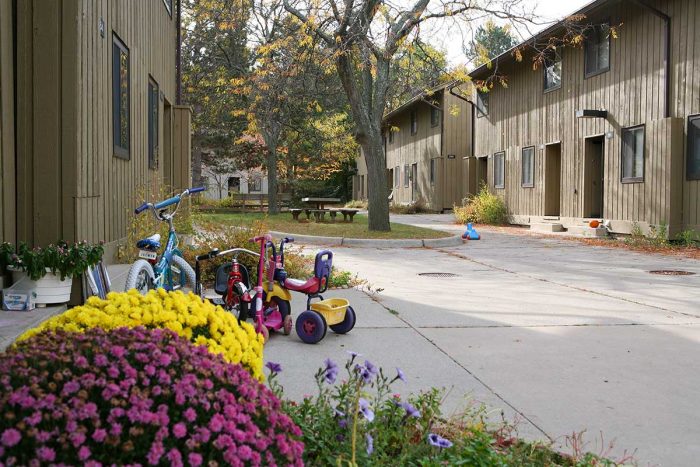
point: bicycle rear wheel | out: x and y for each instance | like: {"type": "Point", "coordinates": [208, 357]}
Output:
{"type": "Point", "coordinates": [140, 277]}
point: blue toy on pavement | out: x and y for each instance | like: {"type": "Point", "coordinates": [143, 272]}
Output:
{"type": "Point", "coordinates": [471, 233]}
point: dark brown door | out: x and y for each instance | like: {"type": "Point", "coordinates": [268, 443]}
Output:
{"type": "Point", "coordinates": [594, 175]}
{"type": "Point", "coordinates": [552, 180]}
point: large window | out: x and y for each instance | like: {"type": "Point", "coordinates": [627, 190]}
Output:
{"type": "Point", "coordinates": [121, 128]}
{"type": "Point", "coordinates": [434, 116]}
{"type": "Point", "coordinates": [482, 104]}
{"type": "Point", "coordinates": [633, 154]}
{"type": "Point", "coordinates": [693, 159]}
{"type": "Point", "coordinates": [406, 175]}
{"type": "Point", "coordinates": [152, 124]}
{"type": "Point", "coordinates": [552, 71]}
{"type": "Point", "coordinates": [597, 50]}
{"type": "Point", "coordinates": [414, 122]}
{"type": "Point", "coordinates": [499, 170]}
{"type": "Point", "coordinates": [432, 171]}
{"type": "Point", "coordinates": [528, 174]}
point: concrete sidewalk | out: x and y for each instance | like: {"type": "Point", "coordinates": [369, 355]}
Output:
{"type": "Point", "coordinates": [564, 336]}
{"type": "Point", "coordinates": [14, 323]}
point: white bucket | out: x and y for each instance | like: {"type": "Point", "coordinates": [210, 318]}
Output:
{"type": "Point", "coordinates": [49, 289]}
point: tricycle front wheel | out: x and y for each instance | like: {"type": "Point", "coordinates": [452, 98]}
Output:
{"type": "Point", "coordinates": [311, 327]}
{"type": "Point", "coordinates": [347, 324]}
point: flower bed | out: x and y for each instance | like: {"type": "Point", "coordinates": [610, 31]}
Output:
{"type": "Point", "coordinates": [135, 396]}
{"type": "Point", "coordinates": [188, 315]}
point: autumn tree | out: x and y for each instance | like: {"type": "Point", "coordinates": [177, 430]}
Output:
{"type": "Point", "coordinates": [363, 37]}
{"type": "Point", "coordinates": [214, 53]}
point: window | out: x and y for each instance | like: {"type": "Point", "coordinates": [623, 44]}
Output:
{"type": "Point", "coordinates": [499, 170]}
{"type": "Point", "coordinates": [391, 136]}
{"type": "Point", "coordinates": [633, 154]}
{"type": "Point", "coordinates": [414, 122]}
{"type": "Point", "coordinates": [153, 98]}
{"type": "Point", "coordinates": [121, 128]}
{"type": "Point", "coordinates": [693, 160]}
{"type": "Point", "coordinates": [397, 176]}
{"type": "Point", "coordinates": [406, 175]}
{"type": "Point", "coordinates": [434, 116]}
{"type": "Point", "coordinates": [482, 104]}
{"type": "Point", "coordinates": [432, 171]}
{"type": "Point", "coordinates": [552, 72]}
{"type": "Point", "coordinates": [169, 6]}
{"type": "Point", "coordinates": [256, 183]}
{"type": "Point", "coordinates": [528, 174]}
{"type": "Point", "coordinates": [597, 50]}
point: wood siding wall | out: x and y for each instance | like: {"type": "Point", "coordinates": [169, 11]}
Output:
{"type": "Point", "coordinates": [632, 91]}
{"type": "Point", "coordinates": [450, 137]}
{"type": "Point", "coordinates": [7, 128]}
{"type": "Point", "coordinates": [70, 184]}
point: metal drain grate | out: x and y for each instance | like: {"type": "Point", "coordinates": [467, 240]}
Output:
{"type": "Point", "coordinates": [672, 272]}
{"type": "Point", "coordinates": [437, 274]}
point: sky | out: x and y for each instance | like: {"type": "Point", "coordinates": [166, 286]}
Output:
{"type": "Point", "coordinates": [451, 40]}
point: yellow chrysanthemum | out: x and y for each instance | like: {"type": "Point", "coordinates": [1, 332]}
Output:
{"type": "Point", "coordinates": [188, 315]}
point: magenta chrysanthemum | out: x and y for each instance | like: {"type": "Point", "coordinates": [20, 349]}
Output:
{"type": "Point", "coordinates": [133, 396]}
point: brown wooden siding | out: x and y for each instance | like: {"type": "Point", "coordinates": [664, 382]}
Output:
{"type": "Point", "coordinates": [7, 129]}
{"type": "Point", "coordinates": [457, 142]}
{"type": "Point", "coordinates": [69, 183]}
{"type": "Point", "coordinates": [633, 93]}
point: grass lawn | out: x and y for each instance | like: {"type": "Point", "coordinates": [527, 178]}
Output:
{"type": "Point", "coordinates": [283, 222]}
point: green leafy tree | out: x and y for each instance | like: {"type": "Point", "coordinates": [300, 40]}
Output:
{"type": "Point", "coordinates": [490, 41]}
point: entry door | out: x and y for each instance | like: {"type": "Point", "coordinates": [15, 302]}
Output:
{"type": "Point", "coordinates": [552, 180]}
{"type": "Point", "coordinates": [482, 173]}
{"type": "Point", "coordinates": [415, 192]}
{"type": "Point", "coordinates": [594, 174]}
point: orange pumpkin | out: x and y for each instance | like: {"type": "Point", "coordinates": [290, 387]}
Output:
{"type": "Point", "coordinates": [594, 224]}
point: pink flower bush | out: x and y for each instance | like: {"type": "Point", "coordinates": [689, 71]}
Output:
{"type": "Point", "coordinates": [136, 396]}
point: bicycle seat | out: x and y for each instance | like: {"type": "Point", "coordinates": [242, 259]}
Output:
{"type": "Point", "coordinates": [151, 243]}
{"type": "Point", "coordinates": [309, 286]}
{"type": "Point", "coordinates": [319, 282]}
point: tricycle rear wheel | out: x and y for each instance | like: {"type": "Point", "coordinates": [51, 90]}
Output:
{"type": "Point", "coordinates": [347, 324]}
{"type": "Point", "coordinates": [311, 327]}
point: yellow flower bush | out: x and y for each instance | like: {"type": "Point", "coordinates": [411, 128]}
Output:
{"type": "Point", "coordinates": [188, 315]}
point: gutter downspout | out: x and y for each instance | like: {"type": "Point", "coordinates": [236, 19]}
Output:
{"type": "Point", "coordinates": [178, 55]}
{"type": "Point", "coordinates": [667, 52]}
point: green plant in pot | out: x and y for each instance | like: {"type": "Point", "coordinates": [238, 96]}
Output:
{"type": "Point", "coordinates": [62, 259]}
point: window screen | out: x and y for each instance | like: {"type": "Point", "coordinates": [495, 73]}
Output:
{"type": "Point", "coordinates": [597, 49]}
{"type": "Point", "coordinates": [633, 154]}
{"type": "Point", "coordinates": [499, 169]}
{"type": "Point", "coordinates": [121, 129]}
{"type": "Point", "coordinates": [528, 161]}
{"type": "Point", "coordinates": [693, 158]}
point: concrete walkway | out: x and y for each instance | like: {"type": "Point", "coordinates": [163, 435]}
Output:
{"type": "Point", "coordinates": [14, 323]}
{"type": "Point", "coordinates": [562, 336]}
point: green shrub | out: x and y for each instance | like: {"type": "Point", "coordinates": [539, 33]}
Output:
{"type": "Point", "coordinates": [482, 208]}
{"type": "Point", "coordinates": [415, 207]}
{"type": "Point", "coordinates": [356, 204]}
{"type": "Point", "coordinates": [658, 235]}
{"type": "Point", "coordinates": [687, 238]}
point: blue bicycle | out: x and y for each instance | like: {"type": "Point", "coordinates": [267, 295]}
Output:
{"type": "Point", "coordinates": [170, 271]}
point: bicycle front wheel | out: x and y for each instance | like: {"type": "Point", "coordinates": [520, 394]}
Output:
{"type": "Point", "coordinates": [140, 277]}
{"type": "Point", "coordinates": [182, 274]}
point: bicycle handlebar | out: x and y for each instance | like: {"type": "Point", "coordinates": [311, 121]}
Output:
{"type": "Point", "coordinates": [167, 202]}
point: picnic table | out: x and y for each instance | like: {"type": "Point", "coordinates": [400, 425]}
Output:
{"type": "Point", "coordinates": [319, 203]}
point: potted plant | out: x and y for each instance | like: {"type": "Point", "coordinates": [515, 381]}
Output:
{"type": "Point", "coordinates": [49, 270]}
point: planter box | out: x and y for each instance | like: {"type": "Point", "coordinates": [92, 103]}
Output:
{"type": "Point", "coordinates": [49, 289]}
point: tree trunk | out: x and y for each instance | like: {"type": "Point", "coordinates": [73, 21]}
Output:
{"type": "Point", "coordinates": [377, 195]}
{"type": "Point", "coordinates": [272, 180]}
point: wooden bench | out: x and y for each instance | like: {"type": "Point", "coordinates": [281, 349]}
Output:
{"type": "Point", "coordinates": [258, 201]}
{"type": "Point", "coordinates": [295, 213]}
{"type": "Point", "coordinates": [319, 214]}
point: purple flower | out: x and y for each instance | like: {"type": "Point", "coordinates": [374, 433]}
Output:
{"type": "Point", "coordinates": [411, 411]}
{"type": "Point", "coordinates": [10, 437]}
{"type": "Point", "coordinates": [194, 459]}
{"type": "Point", "coordinates": [46, 454]}
{"type": "Point", "coordinates": [400, 375]}
{"type": "Point", "coordinates": [366, 410]}
{"type": "Point", "coordinates": [179, 430]}
{"type": "Point", "coordinates": [439, 441]}
{"type": "Point", "coordinates": [353, 355]}
{"type": "Point", "coordinates": [330, 372]}
{"type": "Point", "coordinates": [370, 444]}
{"type": "Point", "coordinates": [274, 367]}
{"type": "Point", "coordinates": [365, 373]}
{"type": "Point", "coordinates": [84, 453]}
